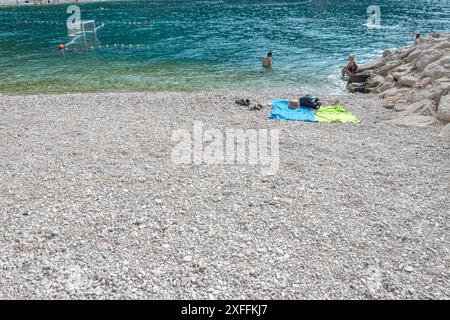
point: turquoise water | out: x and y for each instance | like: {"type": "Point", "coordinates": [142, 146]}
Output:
{"type": "Point", "coordinates": [203, 45]}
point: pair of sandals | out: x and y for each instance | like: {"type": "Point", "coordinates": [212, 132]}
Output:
{"type": "Point", "coordinates": [242, 102]}
{"type": "Point", "coordinates": [246, 103]}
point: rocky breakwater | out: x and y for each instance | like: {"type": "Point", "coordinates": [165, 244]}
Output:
{"type": "Point", "coordinates": [414, 81]}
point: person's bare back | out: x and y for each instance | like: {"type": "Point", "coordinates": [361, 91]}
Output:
{"type": "Point", "coordinates": [267, 62]}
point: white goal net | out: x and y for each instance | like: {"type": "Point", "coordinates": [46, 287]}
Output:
{"type": "Point", "coordinates": [84, 32]}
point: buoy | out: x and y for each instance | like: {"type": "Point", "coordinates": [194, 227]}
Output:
{"type": "Point", "coordinates": [61, 47]}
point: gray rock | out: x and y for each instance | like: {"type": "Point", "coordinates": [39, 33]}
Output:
{"type": "Point", "coordinates": [371, 65]}
{"type": "Point", "coordinates": [359, 77]}
{"type": "Point", "coordinates": [432, 92]}
{"type": "Point", "coordinates": [375, 80]}
{"type": "Point", "coordinates": [357, 87]}
{"type": "Point", "coordinates": [399, 107]}
{"type": "Point", "coordinates": [385, 70]}
{"type": "Point", "coordinates": [414, 121]}
{"type": "Point", "coordinates": [384, 87]}
{"type": "Point", "coordinates": [445, 131]}
{"type": "Point", "coordinates": [409, 269]}
{"type": "Point", "coordinates": [408, 80]}
{"type": "Point", "coordinates": [402, 71]}
{"type": "Point", "coordinates": [427, 58]}
{"type": "Point", "coordinates": [389, 78]}
{"type": "Point", "coordinates": [395, 92]}
{"type": "Point", "coordinates": [425, 108]}
{"type": "Point", "coordinates": [444, 108]}
{"type": "Point", "coordinates": [392, 100]}
{"type": "Point", "coordinates": [438, 69]}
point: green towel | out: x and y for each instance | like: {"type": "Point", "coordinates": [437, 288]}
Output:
{"type": "Point", "coordinates": [335, 114]}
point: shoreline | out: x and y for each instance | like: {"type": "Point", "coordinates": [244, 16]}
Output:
{"type": "Point", "coordinates": [252, 91]}
{"type": "Point", "coordinates": [263, 97]}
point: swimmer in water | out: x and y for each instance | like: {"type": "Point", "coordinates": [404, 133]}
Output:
{"type": "Point", "coordinates": [267, 62]}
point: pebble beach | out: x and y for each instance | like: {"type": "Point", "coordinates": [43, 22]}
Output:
{"type": "Point", "coordinates": [93, 207]}
{"type": "Point", "coordinates": [140, 158]}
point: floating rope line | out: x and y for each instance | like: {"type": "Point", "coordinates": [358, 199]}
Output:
{"type": "Point", "coordinates": [103, 46]}
{"type": "Point", "coordinates": [42, 22]}
{"type": "Point", "coordinates": [152, 10]}
{"type": "Point", "coordinates": [148, 22]}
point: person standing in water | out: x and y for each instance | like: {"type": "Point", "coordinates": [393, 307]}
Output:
{"type": "Point", "coordinates": [351, 68]}
{"type": "Point", "coordinates": [267, 62]}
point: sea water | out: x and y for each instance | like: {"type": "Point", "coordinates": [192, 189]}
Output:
{"type": "Point", "coordinates": [181, 45]}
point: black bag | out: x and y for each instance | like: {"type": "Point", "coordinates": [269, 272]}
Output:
{"type": "Point", "coordinates": [310, 102]}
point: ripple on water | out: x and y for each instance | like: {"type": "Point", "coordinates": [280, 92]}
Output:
{"type": "Point", "coordinates": [203, 45]}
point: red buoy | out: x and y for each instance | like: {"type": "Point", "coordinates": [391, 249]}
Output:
{"type": "Point", "coordinates": [61, 47]}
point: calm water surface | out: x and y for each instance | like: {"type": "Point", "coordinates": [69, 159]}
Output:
{"type": "Point", "coordinates": [203, 45]}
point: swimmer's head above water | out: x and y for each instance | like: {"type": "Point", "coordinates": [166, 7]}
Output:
{"type": "Point", "coordinates": [267, 62]}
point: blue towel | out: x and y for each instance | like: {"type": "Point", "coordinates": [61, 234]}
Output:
{"type": "Point", "coordinates": [281, 111]}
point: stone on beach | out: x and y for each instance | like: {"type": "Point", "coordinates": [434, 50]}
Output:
{"type": "Point", "coordinates": [425, 107]}
{"type": "Point", "coordinates": [444, 108]}
{"type": "Point", "coordinates": [445, 131]}
{"type": "Point", "coordinates": [414, 121]}
{"type": "Point", "coordinates": [408, 81]}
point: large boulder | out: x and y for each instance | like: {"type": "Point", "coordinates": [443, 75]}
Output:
{"type": "Point", "coordinates": [388, 53]}
{"type": "Point", "coordinates": [400, 106]}
{"type": "Point", "coordinates": [396, 101]}
{"type": "Point", "coordinates": [444, 60]}
{"type": "Point", "coordinates": [359, 77]}
{"type": "Point", "coordinates": [415, 51]}
{"type": "Point", "coordinates": [445, 44]}
{"type": "Point", "coordinates": [408, 81]}
{"type": "Point", "coordinates": [384, 87]}
{"type": "Point", "coordinates": [432, 92]}
{"type": "Point", "coordinates": [423, 83]}
{"type": "Point", "coordinates": [445, 132]}
{"type": "Point", "coordinates": [389, 78]}
{"type": "Point", "coordinates": [414, 55]}
{"type": "Point", "coordinates": [444, 108]}
{"type": "Point", "coordinates": [394, 91]}
{"type": "Point", "coordinates": [371, 65]}
{"type": "Point", "coordinates": [409, 50]}
{"type": "Point", "coordinates": [402, 70]}
{"type": "Point", "coordinates": [357, 87]}
{"type": "Point", "coordinates": [375, 80]}
{"type": "Point", "coordinates": [424, 108]}
{"type": "Point", "coordinates": [385, 70]}
{"type": "Point", "coordinates": [438, 69]}
{"type": "Point", "coordinates": [414, 121]}
{"type": "Point", "coordinates": [440, 72]}
{"type": "Point", "coordinates": [427, 58]}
